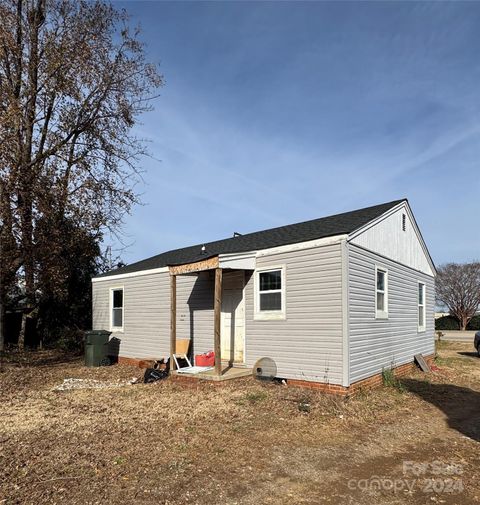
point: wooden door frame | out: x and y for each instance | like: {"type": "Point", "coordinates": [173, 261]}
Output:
{"type": "Point", "coordinates": [244, 322]}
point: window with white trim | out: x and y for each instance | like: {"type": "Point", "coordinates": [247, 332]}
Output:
{"type": "Point", "coordinates": [381, 293]}
{"type": "Point", "coordinates": [116, 309]}
{"type": "Point", "coordinates": [421, 306]}
{"type": "Point", "coordinates": [270, 293]}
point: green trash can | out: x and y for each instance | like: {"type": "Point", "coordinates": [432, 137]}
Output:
{"type": "Point", "coordinates": [96, 348]}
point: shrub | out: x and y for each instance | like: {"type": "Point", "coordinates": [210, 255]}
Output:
{"type": "Point", "coordinates": [474, 323]}
{"type": "Point", "coordinates": [451, 323]}
{"type": "Point", "coordinates": [447, 323]}
{"type": "Point", "coordinates": [66, 339]}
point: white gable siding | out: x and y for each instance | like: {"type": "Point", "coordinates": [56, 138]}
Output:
{"type": "Point", "coordinates": [388, 239]}
{"type": "Point", "coordinates": [307, 345]}
{"type": "Point", "coordinates": [380, 343]}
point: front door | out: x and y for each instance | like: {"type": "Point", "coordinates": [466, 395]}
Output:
{"type": "Point", "coordinates": [233, 317]}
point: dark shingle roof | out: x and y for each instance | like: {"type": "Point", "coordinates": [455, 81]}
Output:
{"type": "Point", "coordinates": [290, 234]}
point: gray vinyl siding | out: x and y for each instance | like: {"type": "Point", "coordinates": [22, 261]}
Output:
{"type": "Point", "coordinates": [307, 345]}
{"type": "Point", "coordinates": [146, 328]}
{"type": "Point", "coordinates": [380, 343]}
{"type": "Point", "coordinates": [146, 318]}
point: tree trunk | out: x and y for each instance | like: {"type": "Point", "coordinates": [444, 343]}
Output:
{"type": "Point", "coordinates": [23, 329]}
{"type": "Point", "coordinates": [37, 332]}
{"type": "Point", "coordinates": [2, 320]}
{"type": "Point", "coordinates": [28, 176]}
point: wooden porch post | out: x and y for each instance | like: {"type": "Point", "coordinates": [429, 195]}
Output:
{"type": "Point", "coordinates": [217, 313]}
{"type": "Point", "coordinates": [173, 319]}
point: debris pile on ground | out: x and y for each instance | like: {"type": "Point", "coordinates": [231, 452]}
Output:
{"type": "Point", "coordinates": [154, 375]}
{"type": "Point", "coordinates": [71, 383]}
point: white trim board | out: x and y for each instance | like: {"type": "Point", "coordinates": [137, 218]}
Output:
{"type": "Point", "coordinates": [345, 314]}
{"type": "Point", "coordinates": [381, 314]}
{"type": "Point", "coordinates": [131, 274]}
{"type": "Point", "coordinates": [238, 261]}
{"type": "Point", "coordinates": [116, 329]}
{"type": "Point", "coordinates": [300, 246]}
{"type": "Point", "coordinates": [270, 315]}
{"type": "Point", "coordinates": [375, 221]}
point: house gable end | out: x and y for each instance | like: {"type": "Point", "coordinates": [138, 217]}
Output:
{"type": "Point", "coordinates": [396, 236]}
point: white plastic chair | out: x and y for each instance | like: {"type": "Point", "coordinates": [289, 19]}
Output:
{"type": "Point", "coordinates": [182, 346]}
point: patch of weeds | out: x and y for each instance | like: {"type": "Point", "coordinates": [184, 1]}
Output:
{"type": "Point", "coordinates": [118, 461]}
{"type": "Point", "coordinates": [460, 365]}
{"type": "Point", "coordinates": [256, 396]}
{"type": "Point", "coordinates": [441, 344]}
{"type": "Point", "coordinates": [304, 407]}
{"type": "Point", "coordinates": [361, 395]}
{"type": "Point", "coordinates": [388, 377]}
{"type": "Point", "coordinates": [178, 465]}
{"type": "Point", "coordinates": [443, 361]}
{"type": "Point", "coordinates": [454, 362]}
{"type": "Point", "coordinates": [304, 404]}
{"type": "Point", "coordinates": [389, 380]}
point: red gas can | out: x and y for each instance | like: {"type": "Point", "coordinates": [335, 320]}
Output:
{"type": "Point", "coordinates": [205, 359]}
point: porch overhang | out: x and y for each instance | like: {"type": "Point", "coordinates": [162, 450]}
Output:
{"type": "Point", "coordinates": [197, 266]}
{"type": "Point", "coordinates": [235, 261]}
{"type": "Point", "coordinates": [189, 268]}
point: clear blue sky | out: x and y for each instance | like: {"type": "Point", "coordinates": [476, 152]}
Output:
{"type": "Point", "coordinates": [276, 113]}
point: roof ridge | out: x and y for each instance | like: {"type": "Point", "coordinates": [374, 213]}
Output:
{"type": "Point", "coordinates": [334, 224]}
{"type": "Point", "coordinates": [396, 202]}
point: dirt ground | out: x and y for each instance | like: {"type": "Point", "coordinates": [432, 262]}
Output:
{"type": "Point", "coordinates": [414, 442]}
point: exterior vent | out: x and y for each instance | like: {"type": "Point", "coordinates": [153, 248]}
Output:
{"type": "Point", "coordinates": [404, 222]}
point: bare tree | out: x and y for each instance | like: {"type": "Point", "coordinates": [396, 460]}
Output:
{"type": "Point", "coordinates": [458, 287]}
{"type": "Point", "coordinates": [73, 82]}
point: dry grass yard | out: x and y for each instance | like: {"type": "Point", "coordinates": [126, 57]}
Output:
{"type": "Point", "coordinates": [415, 442]}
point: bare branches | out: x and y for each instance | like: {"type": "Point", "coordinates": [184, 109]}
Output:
{"type": "Point", "coordinates": [458, 287]}
{"type": "Point", "coordinates": [73, 83]}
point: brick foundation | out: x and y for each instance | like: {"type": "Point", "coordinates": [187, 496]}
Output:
{"type": "Point", "coordinates": [139, 362]}
{"type": "Point", "coordinates": [334, 389]}
{"type": "Point", "coordinates": [361, 385]}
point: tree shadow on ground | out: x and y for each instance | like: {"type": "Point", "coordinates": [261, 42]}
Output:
{"type": "Point", "coordinates": [461, 405]}
{"type": "Point", "coordinates": [14, 358]}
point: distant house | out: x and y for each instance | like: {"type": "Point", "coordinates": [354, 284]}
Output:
{"type": "Point", "coordinates": [331, 302]}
